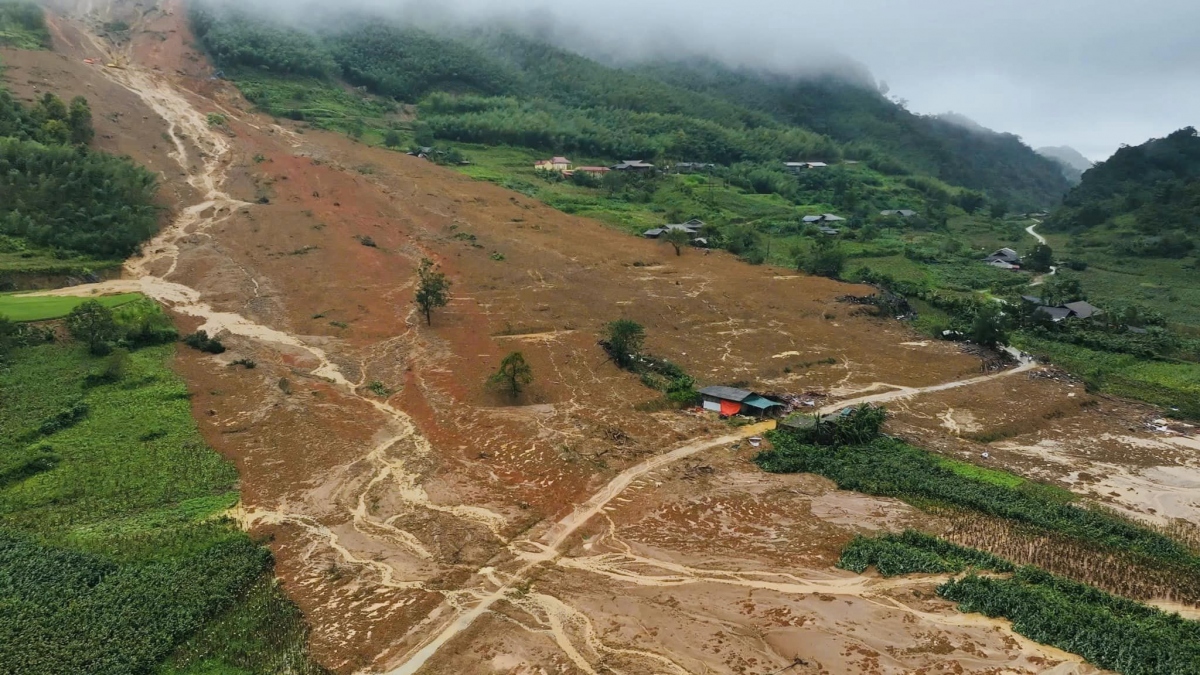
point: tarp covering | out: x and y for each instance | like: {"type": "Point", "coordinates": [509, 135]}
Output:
{"type": "Point", "coordinates": [761, 403]}
{"type": "Point", "coordinates": [730, 408]}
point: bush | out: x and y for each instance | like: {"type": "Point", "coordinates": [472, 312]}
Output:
{"type": "Point", "coordinates": [200, 340]}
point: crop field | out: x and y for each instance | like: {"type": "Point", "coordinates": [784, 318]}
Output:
{"type": "Point", "coordinates": [39, 308]}
{"type": "Point", "coordinates": [112, 549]}
{"type": "Point", "coordinates": [1112, 632]}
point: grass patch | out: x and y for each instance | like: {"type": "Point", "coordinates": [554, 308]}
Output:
{"type": "Point", "coordinates": [43, 308]}
{"type": "Point", "coordinates": [915, 552]}
{"type": "Point", "coordinates": [113, 551]}
{"type": "Point", "coordinates": [1170, 384]}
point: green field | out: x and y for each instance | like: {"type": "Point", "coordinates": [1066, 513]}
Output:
{"type": "Point", "coordinates": [114, 555]}
{"type": "Point", "coordinates": [44, 308]}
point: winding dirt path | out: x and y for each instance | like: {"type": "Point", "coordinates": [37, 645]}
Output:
{"type": "Point", "coordinates": [1040, 279]}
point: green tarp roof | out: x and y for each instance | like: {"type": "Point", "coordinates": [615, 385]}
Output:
{"type": "Point", "coordinates": [760, 402]}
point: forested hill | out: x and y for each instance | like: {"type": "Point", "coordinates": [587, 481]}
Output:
{"type": "Point", "coordinates": [1145, 197]}
{"type": "Point", "coordinates": [853, 111]}
{"type": "Point", "coordinates": [496, 87]}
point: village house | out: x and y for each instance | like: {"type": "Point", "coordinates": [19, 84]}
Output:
{"type": "Point", "coordinates": [1005, 259]}
{"type": "Point", "coordinates": [692, 227]}
{"type": "Point", "coordinates": [595, 171]}
{"type": "Point", "coordinates": [899, 213]}
{"type": "Point", "coordinates": [556, 164]}
{"type": "Point", "coordinates": [823, 218]}
{"type": "Point", "coordinates": [797, 167]}
{"type": "Point", "coordinates": [1071, 310]}
{"type": "Point", "coordinates": [692, 167]}
{"type": "Point", "coordinates": [729, 401]}
{"type": "Point", "coordinates": [635, 165]}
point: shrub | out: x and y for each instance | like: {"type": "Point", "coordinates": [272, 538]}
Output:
{"type": "Point", "coordinates": [201, 341]}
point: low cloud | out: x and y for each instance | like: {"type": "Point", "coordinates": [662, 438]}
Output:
{"type": "Point", "coordinates": [1092, 74]}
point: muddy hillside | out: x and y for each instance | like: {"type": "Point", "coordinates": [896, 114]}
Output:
{"type": "Point", "coordinates": [424, 522]}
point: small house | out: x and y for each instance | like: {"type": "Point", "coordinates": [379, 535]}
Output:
{"type": "Point", "coordinates": [692, 167]}
{"type": "Point", "coordinates": [730, 401]}
{"type": "Point", "coordinates": [899, 213]}
{"type": "Point", "coordinates": [828, 231]}
{"type": "Point", "coordinates": [1082, 310]}
{"type": "Point", "coordinates": [1006, 255]}
{"type": "Point", "coordinates": [556, 164]}
{"type": "Point", "coordinates": [823, 218]}
{"type": "Point", "coordinates": [657, 232]}
{"type": "Point", "coordinates": [635, 165]}
{"type": "Point", "coordinates": [595, 171]}
{"type": "Point", "coordinates": [1055, 314]}
{"type": "Point", "coordinates": [797, 167]}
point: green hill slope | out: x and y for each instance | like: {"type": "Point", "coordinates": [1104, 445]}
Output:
{"type": "Point", "coordinates": [497, 88]}
{"type": "Point", "coordinates": [852, 111]}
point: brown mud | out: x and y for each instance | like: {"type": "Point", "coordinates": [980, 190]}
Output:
{"type": "Point", "coordinates": [425, 523]}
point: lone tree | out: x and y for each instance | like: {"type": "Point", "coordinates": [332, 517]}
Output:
{"type": "Point", "coordinates": [677, 238]}
{"type": "Point", "coordinates": [433, 289]}
{"type": "Point", "coordinates": [623, 339]}
{"type": "Point", "coordinates": [392, 138]}
{"type": "Point", "coordinates": [826, 259]}
{"type": "Point", "coordinates": [93, 324]}
{"type": "Point", "coordinates": [1040, 259]}
{"type": "Point", "coordinates": [990, 327]}
{"type": "Point", "coordinates": [514, 374]}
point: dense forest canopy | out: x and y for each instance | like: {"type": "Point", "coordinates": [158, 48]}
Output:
{"type": "Point", "coordinates": [1147, 197]}
{"type": "Point", "coordinates": [56, 193]}
{"type": "Point", "coordinates": [881, 131]}
{"type": "Point", "coordinates": [493, 86]}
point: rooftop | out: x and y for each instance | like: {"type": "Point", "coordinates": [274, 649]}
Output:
{"type": "Point", "coordinates": [727, 393]}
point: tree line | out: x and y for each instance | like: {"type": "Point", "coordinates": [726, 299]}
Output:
{"type": "Point", "coordinates": [58, 193]}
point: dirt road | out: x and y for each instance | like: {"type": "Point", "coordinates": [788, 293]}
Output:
{"type": "Point", "coordinates": [1040, 279]}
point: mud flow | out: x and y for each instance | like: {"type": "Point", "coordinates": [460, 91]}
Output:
{"type": "Point", "coordinates": [426, 524]}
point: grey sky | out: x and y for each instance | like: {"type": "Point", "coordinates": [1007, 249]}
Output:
{"type": "Point", "coordinates": [1089, 74]}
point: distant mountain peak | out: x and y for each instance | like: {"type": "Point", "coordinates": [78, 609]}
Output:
{"type": "Point", "coordinates": [1067, 155]}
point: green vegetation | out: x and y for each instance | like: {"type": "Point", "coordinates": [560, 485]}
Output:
{"type": "Point", "coordinates": [114, 556]}
{"type": "Point", "coordinates": [63, 201]}
{"type": "Point", "coordinates": [892, 468]}
{"type": "Point", "coordinates": [914, 552]}
{"type": "Point", "coordinates": [623, 340]}
{"type": "Point", "coordinates": [433, 289]}
{"type": "Point", "coordinates": [514, 374]}
{"type": "Point", "coordinates": [42, 308]}
{"type": "Point", "coordinates": [1109, 631]}
{"type": "Point", "coordinates": [22, 25]}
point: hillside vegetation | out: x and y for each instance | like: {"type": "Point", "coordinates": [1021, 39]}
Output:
{"type": "Point", "coordinates": [22, 25]}
{"type": "Point", "coordinates": [59, 196]}
{"type": "Point", "coordinates": [496, 87]}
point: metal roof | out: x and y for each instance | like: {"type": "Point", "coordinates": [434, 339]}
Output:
{"type": "Point", "coordinates": [1082, 309]}
{"type": "Point", "coordinates": [1055, 313]}
{"type": "Point", "coordinates": [761, 403]}
{"type": "Point", "coordinates": [726, 393]}
{"type": "Point", "coordinates": [654, 233]}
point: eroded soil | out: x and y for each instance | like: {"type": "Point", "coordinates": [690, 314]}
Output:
{"type": "Point", "coordinates": [425, 523]}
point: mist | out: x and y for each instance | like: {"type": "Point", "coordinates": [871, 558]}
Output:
{"type": "Point", "coordinates": [1091, 74]}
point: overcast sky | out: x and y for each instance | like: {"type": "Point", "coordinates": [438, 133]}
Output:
{"type": "Point", "coordinates": [1092, 74]}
